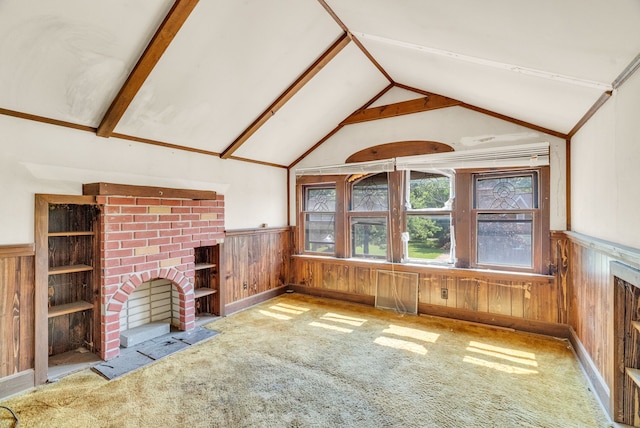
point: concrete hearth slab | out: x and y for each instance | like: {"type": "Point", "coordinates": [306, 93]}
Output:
{"type": "Point", "coordinates": [147, 352]}
{"type": "Point", "coordinates": [135, 336]}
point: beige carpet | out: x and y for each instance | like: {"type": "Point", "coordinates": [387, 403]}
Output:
{"type": "Point", "coordinates": [299, 361]}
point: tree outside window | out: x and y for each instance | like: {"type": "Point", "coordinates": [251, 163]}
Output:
{"type": "Point", "coordinates": [429, 217]}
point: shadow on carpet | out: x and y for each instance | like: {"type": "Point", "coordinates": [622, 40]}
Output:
{"type": "Point", "coordinates": [141, 355]}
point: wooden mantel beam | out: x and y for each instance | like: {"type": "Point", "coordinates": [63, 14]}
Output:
{"type": "Point", "coordinates": [314, 69]}
{"type": "Point", "coordinates": [172, 23]}
{"type": "Point", "coordinates": [430, 102]}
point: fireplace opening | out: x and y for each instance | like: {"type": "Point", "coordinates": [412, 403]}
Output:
{"type": "Point", "coordinates": [150, 311]}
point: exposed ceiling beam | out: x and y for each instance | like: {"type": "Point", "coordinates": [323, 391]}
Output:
{"type": "Point", "coordinates": [594, 108]}
{"type": "Point", "coordinates": [309, 73]}
{"type": "Point", "coordinates": [514, 120]}
{"type": "Point", "coordinates": [274, 165]}
{"type": "Point", "coordinates": [339, 127]}
{"type": "Point", "coordinates": [170, 26]}
{"type": "Point", "coordinates": [355, 40]}
{"type": "Point", "coordinates": [489, 63]}
{"type": "Point", "coordinates": [163, 144]}
{"type": "Point", "coordinates": [628, 71]}
{"type": "Point", "coordinates": [430, 102]}
{"type": "Point", "coordinates": [43, 119]}
{"type": "Point", "coordinates": [495, 114]}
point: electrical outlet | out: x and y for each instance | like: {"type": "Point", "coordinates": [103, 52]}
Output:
{"type": "Point", "coordinates": [444, 293]}
{"type": "Point", "coordinates": [244, 285]}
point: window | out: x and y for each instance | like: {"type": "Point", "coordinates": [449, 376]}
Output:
{"type": "Point", "coordinates": [505, 211]}
{"type": "Point", "coordinates": [319, 219]}
{"type": "Point", "coordinates": [468, 218]}
{"type": "Point", "coordinates": [428, 217]}
{"type": "Point", "coordinates": [368, 217]}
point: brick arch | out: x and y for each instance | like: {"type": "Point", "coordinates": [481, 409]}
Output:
{"type": "Point", "coordinates": [111, 319]}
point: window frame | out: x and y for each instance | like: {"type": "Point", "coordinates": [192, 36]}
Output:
{"type": "Point", "coordinates": [408, 212]}
{"type": "Point", "coordinates": [463, 220]}
{"type": "Point", "coordinates": [467, 219]}
{"type": "Point", "coordinates": [306, 212]}
{"type": "Point", "coordinates": [350, 214]}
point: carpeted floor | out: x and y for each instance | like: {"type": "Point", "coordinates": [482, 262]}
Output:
{"type": "Point", "coordinates": [300, 361]}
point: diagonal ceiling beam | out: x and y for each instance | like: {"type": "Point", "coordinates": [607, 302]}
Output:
{"type": "Point", "coordinates": [172, 23]}
{"type": "Point", "coordinates": [339, 127]}
{"type": "Point", "coordinates": [366, 53]}
{"type": "Point", "coordinates": [309, 73]}
{"type": "Point", "coordinates": [430, 102]}
{"type": "Point", "coordinates": [495, 114]}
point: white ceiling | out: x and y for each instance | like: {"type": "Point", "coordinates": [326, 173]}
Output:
{"type": "Point", "coordinates": [544, 62]}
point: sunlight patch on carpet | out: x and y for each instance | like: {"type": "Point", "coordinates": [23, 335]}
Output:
{"type": "Point", "coordinates": [295, 308]}
{"type": "Point", "coordinates": [403, 345]}
{"type": "Point", "coordinates": [506, 351]}
{"type": "Point", "coordinates": [498, 366]}
{"type": "Point", "coordinates": [522, 361]}
{"type": "Point", "coordinates": [275, 315]}
{"type": "Point", "coordinates": [356, 322]}
{"type": "Point", "coordinates": [331, 327]}
{"type": "Point", "coordinates": [411, 333]}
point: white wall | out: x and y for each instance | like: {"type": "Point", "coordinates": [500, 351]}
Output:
{"type": "Point", "coordinates": [605, 170]}
{"type": "Point", "coordinates": [42, 158]}
{"type": "Point", "coordinates": [456, 126]}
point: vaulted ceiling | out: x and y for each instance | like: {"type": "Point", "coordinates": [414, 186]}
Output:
{"type": "Point", "coordinates": [267, 81]}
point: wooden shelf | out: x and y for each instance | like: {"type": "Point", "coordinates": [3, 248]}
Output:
{"type": "Point", "coordinates": [89, 233]}
{"type": "Point", "coordinates": [69, 269]}
{"type": "Point", "coordinates": [201, 292]}
{"type": "Point", "coordinates": [69, 308]}
{"type": "Point", "coordinates": [204, 266]}
{"type": "Point", "coordinates": [634, 374]}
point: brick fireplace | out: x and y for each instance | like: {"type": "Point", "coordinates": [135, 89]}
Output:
{"type": "Point", "coordinates": [145, 238]}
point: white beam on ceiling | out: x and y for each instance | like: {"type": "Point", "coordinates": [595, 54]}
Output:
{"type": "Point", "coordinates": [488, 63]}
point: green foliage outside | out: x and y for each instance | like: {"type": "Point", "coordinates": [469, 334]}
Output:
{"type": "Point", "coordinates": [422, 250]}
{"type": "Point", "coordinates": [430, 235]}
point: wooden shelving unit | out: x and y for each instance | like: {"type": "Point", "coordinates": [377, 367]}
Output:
{"type": "Point", "coordinates": [57, 270]}
{"type": "Point", "coordinates": [67, 282]}
{"type": "Point", "coordinates": [206, 281]}
{"type": "Point", "coordinates": [69, 308]}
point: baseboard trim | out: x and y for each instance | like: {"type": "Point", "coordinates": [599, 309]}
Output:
{"type": "Point", "coordinates": [505, 321]}
{"type": "Point", "coordinates": [247, 302]}
{"type": "Point", "coordinates": [17, 383]}
{"type": "Point", "coordinates": [600, 387]}
{"type": "Point", "coordinates": [332, 294]}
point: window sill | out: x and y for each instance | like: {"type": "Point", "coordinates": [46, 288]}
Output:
{"type": "Point", "coordinates": [427, 268]}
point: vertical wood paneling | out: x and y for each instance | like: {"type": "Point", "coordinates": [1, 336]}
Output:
{"type": "Point", "coordinates": [499, 297]}
{"type": "Point", "coordinates": [517, 299]}
{"type": "Point", "coordinates": [467, 294]}
{"type": "Point", "coordinates": [590, 307]}
{"type": "Point", "coordinates": [595, 312]}
{"type": "Point", "coordinates": [468, 290]}
{"type": "Point", "coordinates": [259, 258]}
{"type": "Point", "coordinates": [17, 314]}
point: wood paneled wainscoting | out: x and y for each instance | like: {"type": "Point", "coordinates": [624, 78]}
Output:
{"type": "Point", "coordinates": [597, 313]}
{"type": "Point", "coordinates": [255, 266]}
{"type": "Point", "coordinates": [17, 315]}
{"type": "Point", "coordinates": [527, 302]}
